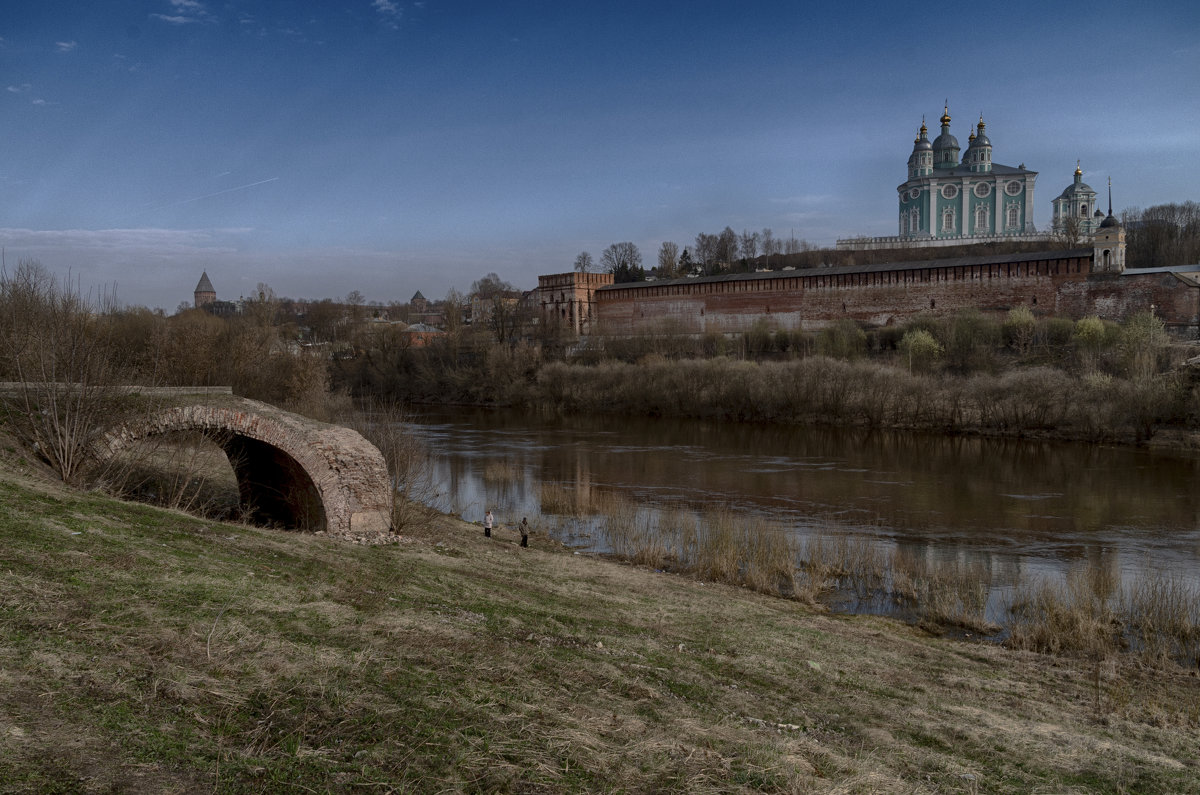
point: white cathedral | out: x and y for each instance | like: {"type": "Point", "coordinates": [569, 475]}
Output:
{"type": "Point", "coordinates": [975, 198]}
{"type": "Point", "coordinates": [951, 200]}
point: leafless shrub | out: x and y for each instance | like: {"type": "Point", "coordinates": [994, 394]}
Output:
{"type": "Point", "coordinates": [184, 471]}
{"type": "Point", "coordinates": [416, 500]}
{"type": "Point", "coordinates": [63, 369]}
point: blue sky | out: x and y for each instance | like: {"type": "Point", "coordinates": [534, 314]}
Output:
{"type": "Point", "coordinates": [387, 146]}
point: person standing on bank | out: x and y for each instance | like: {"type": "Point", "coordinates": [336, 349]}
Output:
{"type": "Point", "coordinates": [524, 528]}
{"type": "Point", "coordinates": [487, 524]}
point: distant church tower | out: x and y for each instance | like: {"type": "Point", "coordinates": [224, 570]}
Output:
{"type": "Point", "coordinates": [1075, 209]}
{"type": "Point", "coordinates": [1109, 242]}
{"type": "Point", "coordinates": [205, 294]}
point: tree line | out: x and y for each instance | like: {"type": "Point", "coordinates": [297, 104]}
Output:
{"type": "Point", "coordinates": [1158, 236]}
{"type": "Point", "coordinates": [710, 254]}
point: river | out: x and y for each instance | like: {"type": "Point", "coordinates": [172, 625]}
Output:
{"type": "Point", "coordinates": [1016, 507]}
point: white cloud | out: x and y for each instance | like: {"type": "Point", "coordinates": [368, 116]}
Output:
{"type": "Point", "coordinates": [19, 89]}
{"type": "Point", "coordinates": [159, 240]}
{"type": "Point", "coordinates": [389, 11]}
{"type": "Point", "coordinates": [39, 102]}
{"type": "Point", "coordinates": [184, 12]}
{"type": "Point", "coordinates": [66, 46]}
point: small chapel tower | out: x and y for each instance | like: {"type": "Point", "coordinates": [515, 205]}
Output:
{"type": "Point", "coordinates": [1109, 242]}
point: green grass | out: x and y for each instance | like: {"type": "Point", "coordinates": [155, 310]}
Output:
{"type": "Point", "coordinates": [145, 650]}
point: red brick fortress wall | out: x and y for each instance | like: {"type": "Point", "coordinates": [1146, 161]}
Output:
{"type": "Point", "coordinates": [1050, 283]}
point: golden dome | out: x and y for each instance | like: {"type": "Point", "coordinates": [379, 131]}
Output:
{"type": "Point", "coordinates": [946, 115]}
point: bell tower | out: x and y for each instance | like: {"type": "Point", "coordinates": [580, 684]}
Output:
{"type": "Point", "coordinates": [1109, 242]}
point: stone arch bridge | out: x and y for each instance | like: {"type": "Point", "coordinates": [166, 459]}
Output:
{"type": "Point", "coordinates": [290, 470]}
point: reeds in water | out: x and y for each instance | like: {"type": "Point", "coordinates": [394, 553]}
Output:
{"type": "Point", "coordinates": [944, 592]}
{"type": "Point", "coordinates": [501, 472]}
{"type": "Point", "coordinates": [1089, 612]}
{"type": "Point", "coordinates": [561, 500]}
{"type": "Point", "coordinates": [1162, 614]}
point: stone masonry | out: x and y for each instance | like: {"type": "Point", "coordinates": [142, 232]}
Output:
{"type": "Point", "coordinates": [1065, 283]}
{"type": "Point", "coordinates": [290, 470]}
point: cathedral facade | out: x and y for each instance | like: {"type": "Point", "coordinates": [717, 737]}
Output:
{"type": "Point", "coordinates": [964, 200]}
{"type": "Point", "coordinates": [1075, 210]}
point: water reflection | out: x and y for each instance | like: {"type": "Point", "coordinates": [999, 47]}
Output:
{"type": "Point", "coordinates": [1015, 507]}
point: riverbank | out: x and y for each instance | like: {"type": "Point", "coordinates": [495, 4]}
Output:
{"type": "Point", "coordinates": [149, 650]}
{"type": "Point", "coordinates": [1034, 402]}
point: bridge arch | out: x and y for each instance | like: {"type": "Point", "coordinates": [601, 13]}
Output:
{"type": "Point", "coordinates": [290, 470]}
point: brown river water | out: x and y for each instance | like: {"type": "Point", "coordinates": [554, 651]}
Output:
{"type": "Point", "coordinates": [1017, 507]}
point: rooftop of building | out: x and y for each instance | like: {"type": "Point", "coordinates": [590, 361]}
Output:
{"type": "Point", "coordinates": [964, 170]}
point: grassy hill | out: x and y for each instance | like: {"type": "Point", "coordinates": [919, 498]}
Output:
{"type": "Point", "coordinates": [144, 650]}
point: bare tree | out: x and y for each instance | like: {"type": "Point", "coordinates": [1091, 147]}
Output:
{"type": "Point", "coordinates": [452, 317]}
{"type": "Point", "coordinates": [770, 245]}
{"type": "Point", "coordinates": [704, 252]}
{"type": "Point", "coordinates": [1165, 234]}
{"type": "Point", "coordinates": [262, 307]}
{"type": "Point", "coordinates": [56, 350]}
{"type": "Point", "coordinates": [624, 262]}
{"type": "Point", "coordinates": [727, 247]}
{"type": "Point", "coordinates": [491, 285]}
{"type": "Point", "coordinates": [1068, 231]}
{"type": "Point", "coordinates": [749, 242]}
{"type": "Point", "coordinates": [355, 300]}
{"type": "Point", "coordinates": [584, 263]}
{"type": "Point", "coordinates": [668, 260]}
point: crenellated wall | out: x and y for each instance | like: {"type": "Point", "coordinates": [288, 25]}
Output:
{"type": "Point", "coordinates": [1050, 283]}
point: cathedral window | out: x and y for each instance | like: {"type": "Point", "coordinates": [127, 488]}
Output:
{"type": "Point", "coordinates": [1012, 216]}
{"type": "Point", "coordinates": [948, 219]}
{"type": "Point", "coordinates": [1083, 211]}
{"type": "Point", "coordinates": [950, 191]}
{"type": "Point", "coordinates": [981, 218]}
{"type": "Point", "coordinates": [982, 189]}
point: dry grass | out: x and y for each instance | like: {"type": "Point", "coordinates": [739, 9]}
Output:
{"type": "Point", "coordinates": [151, 651]}
{"type": "Point", "coordinates": [1162, 614]}
{"type": "Point", "coordinates": [184, 471]}
{"type": "Point", "coordinates": [1091, 613]}
{"type": "Point", "coordinates": [943, 592]}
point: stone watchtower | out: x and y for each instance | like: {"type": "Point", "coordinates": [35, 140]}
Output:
{"type": "Point", "coordinates": [205, 294]}
{"type": "Point", "coordinates": [1109, 242]}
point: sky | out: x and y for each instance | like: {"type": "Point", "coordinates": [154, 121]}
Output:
{"type": "Point", "coordinates": [386, 147]}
